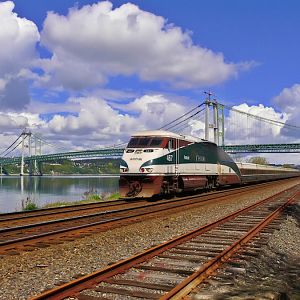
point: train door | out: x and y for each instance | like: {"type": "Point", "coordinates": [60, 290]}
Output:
{"type": "Point", "coordinates": [176, 157]}
{"type": "Point", "coordinates": [173, 147]}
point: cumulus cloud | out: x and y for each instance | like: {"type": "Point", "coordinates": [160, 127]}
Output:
{"type": "Point", "coordinates": [100, 123]}
{"type": "Point", "coordinates": [15, 95]}
{"type": "Point", "coordinates": [16, 122]}
{"type": "Point", "coordinates": [96, 41]}
{"type": "Point", "coordinates": [289, 101]}
{"type": "Point", "coordinates": [18, 38]}
{"type": "Point", "coordinates": [242, 129]}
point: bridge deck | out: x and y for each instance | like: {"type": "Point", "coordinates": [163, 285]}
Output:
{"type": "Point", "coordinates": [118, 152]}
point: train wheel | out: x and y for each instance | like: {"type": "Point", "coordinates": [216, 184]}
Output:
{"type": "Point", "coordinates": [135, 187]}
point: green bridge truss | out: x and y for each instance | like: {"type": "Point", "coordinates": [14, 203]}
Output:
{"type": "Point", "coordinates": [101, 153]}
{"type": "Point", "coordinates": [263, 148]}
{"type": "Point", "coordinates": [118, 152]}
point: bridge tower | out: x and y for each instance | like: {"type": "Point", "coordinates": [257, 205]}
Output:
{"type": "Point", "coordinates": [24, 135]}
{"type": "Point", "coordinates": [217, 120]}
{"type": "Point", "coordinates": [37, 151]}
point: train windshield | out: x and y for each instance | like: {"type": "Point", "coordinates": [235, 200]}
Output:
{"type": "Point", "coordinates": [145, 142]}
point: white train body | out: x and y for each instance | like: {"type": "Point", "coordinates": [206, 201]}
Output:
{"type": "Point", "coordinates": [162, 162]}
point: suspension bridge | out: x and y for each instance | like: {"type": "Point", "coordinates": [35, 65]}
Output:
{"type": "Point", "coordinates": [206, 120]}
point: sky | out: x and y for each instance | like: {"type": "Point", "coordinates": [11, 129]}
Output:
{"type": "Point", "coordinates": [88, 74]}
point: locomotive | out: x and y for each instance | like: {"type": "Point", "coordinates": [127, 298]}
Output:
{"type": "Point", "coordinates": [163, 163]}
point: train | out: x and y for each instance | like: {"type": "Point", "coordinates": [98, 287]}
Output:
{"type": "Point", "coordinates": [164, 163]}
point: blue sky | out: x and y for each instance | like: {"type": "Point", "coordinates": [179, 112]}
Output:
{"type": "Point", "coordinates": [143, 60]}
{"type": "Point", "coordinates": [263, 31]}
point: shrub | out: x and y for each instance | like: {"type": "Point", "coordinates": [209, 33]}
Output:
{"type": "Point", "coordinates": [28, 204]}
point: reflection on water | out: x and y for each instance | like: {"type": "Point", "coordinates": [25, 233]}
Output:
{"type": "Point", "coordinates": [49, 189]}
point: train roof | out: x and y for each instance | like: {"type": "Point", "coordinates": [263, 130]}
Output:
{"type": "Point", "coordinates": [164, 133]}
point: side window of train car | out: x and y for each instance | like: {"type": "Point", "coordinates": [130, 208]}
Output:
{"type": "Point", "coordinates": [183, 143]}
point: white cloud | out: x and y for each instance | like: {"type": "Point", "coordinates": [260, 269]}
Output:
{"type": "Point", "coordinates": [101, 124]}
{"type": "Point", "coordinates": [13, 123]}
{"type": "Point", "coordinates": [197, 128]}
{"type": "Point", "coordinates": [96, 41]}
{"type": "Point", "coordinates": [289, 101]}
{"type": "Point", "coordinates": [15, 95]}
{"type": "Point", "coordinates": [94, 114]}
{"type": "Point", "coordinates": [241, 129]}
{"type": "Point", "coordinates": [18, 38]}
{"type": "Point", "coordinates": [9, 122]}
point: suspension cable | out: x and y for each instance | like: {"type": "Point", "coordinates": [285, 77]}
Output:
{"type": "Point", "coordinates": [181, 116]}
{"type": "Point", "coordinates": [277, 123]}
{"type": "Point", "coordinates": [186, 125]}
{"type": "Point", "coordinates": [14, 147]}
{"type": "Point", "coordinates": [11, 145]}
{"type": "Point", "coordinates": [168, 128]}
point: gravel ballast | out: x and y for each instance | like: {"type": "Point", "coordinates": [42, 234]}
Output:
{"type": "Point", "coordinates": [32, 272]}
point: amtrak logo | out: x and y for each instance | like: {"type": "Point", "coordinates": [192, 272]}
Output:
{"type": "Point", "coordinates": [169, 157]}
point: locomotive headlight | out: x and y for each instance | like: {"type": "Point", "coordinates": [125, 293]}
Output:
{"type": "Point", "coordinates": [148, 170]}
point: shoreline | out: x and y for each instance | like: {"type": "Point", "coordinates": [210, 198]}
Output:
{"type": "Point", "coordinates": [61, 175]}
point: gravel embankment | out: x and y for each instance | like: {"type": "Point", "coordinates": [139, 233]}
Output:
{"type": "Point", "coordinates": [30, 273]}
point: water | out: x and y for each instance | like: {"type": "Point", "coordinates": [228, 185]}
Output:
{"type": "Point", "coordinates": [48, 189]}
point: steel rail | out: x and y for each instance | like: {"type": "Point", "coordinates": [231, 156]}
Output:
{"type": "Point", "coordinates": [110, 223]}
{"type": "Point", "coordinates": [20, 215]}
{"type": "Point", "coordinates": [59, 210]}
{"type": "Point", "coordinates": [73, 287]}
{"type": "Point", "coordinates": [186, 286]}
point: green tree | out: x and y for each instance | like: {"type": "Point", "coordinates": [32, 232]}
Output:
{"type": "Point", "coordinates": [288, 166]}
{"type": "Point", "coordinates": [258, 160]}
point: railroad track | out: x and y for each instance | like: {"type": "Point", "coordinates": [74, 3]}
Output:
{"type": "Point", "coordinates": [8, 219]}
{"type": "Point", "coordinates": [175, 269]}
{"type": "Point", "coordinates": [41, 215]}
{"type": "Point", "coordinates": [41, 235]}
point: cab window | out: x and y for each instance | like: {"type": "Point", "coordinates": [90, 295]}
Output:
{"type": "Point", "coordinates": [133, 142]}
{"type": "Point", "coordinates": [144, 142]}
{"type": "Point", "coordinates": [155, 142]}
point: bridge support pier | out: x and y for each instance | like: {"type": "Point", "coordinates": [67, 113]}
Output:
{"type": "Point", "coordinates": [39, 168]}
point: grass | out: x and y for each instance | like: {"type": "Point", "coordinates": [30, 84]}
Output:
{"type": "Point", "coordinates": [67, 203]}
{"type": "Point", "coordinates": [113, 196]}
{"type": "Point", "coordinates": [89, 198]}
{"type": "Point", "coordinates": [28, 205]}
